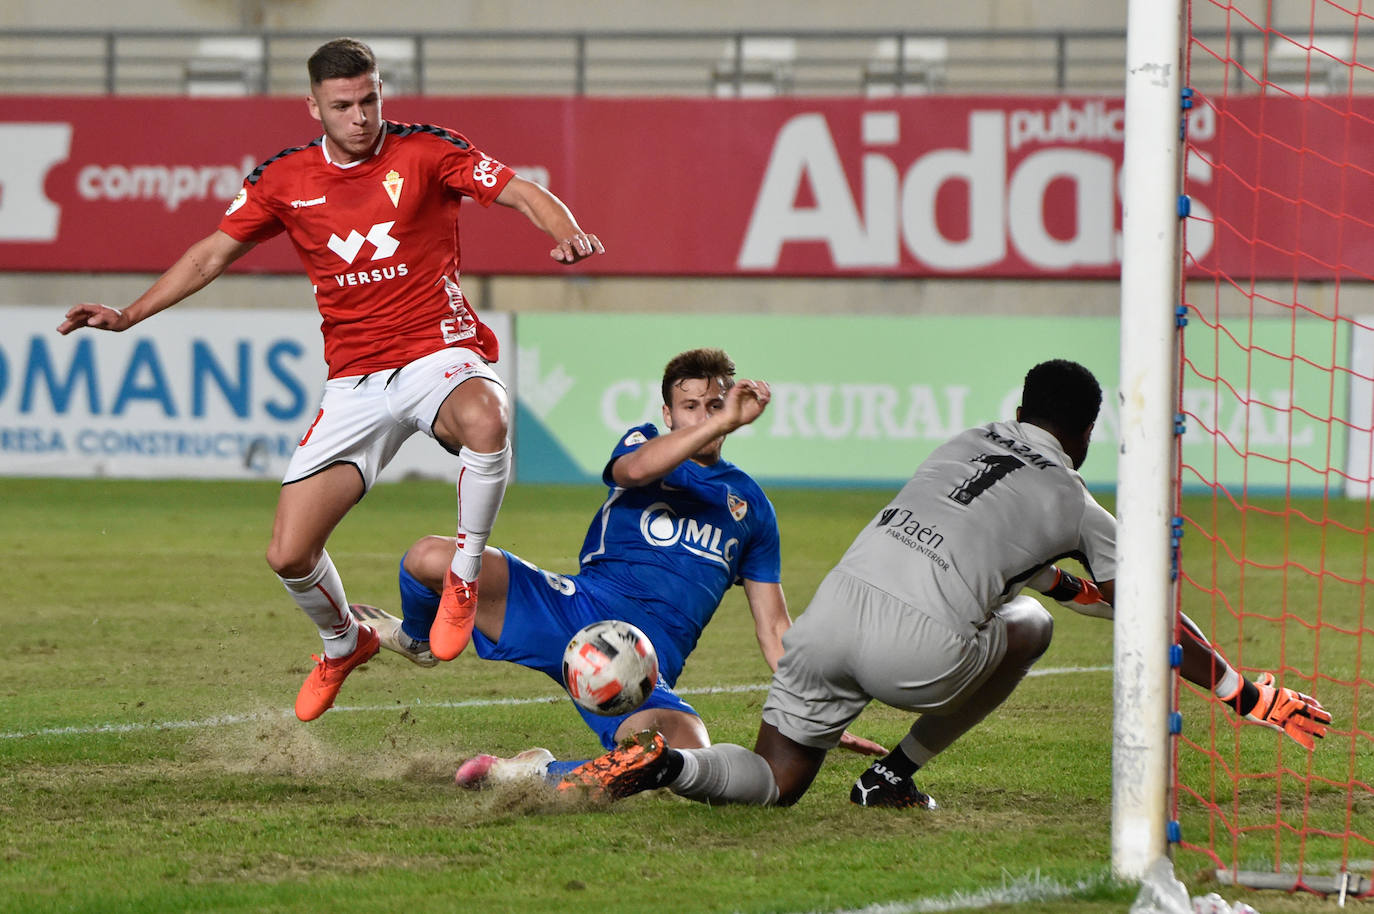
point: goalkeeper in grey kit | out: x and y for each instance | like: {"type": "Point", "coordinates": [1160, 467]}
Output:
{"type": "Point", "coordinates": [923, 613]}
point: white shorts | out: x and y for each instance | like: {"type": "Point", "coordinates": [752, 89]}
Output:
{"type": "Point", "coordinates": [363, 420]}
{"type": "Point", "coordinates": [855, 643]}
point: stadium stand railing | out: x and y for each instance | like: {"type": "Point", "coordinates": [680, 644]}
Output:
{"type": "Point", "coordinates": [689, 63]}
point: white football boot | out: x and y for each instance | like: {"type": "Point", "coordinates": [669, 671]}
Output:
{"type": "Point", "coordinates": [393, 639]}
{"type": "Point", "coordinates": [489, 770]}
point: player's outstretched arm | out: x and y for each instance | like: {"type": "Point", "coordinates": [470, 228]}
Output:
{"type": "Point", "coordinates": [657, 457]}
{"type": "Point", "coordinates": [1082, 595]}
{"type": "Point", "coordinates": [1261, 700]}
{"type": "Point", "coordinates": [194, 270]}
{"type": "Point", "coordinates": [771, 618]}
{"type": "Point", "coordinates": [551, 215]}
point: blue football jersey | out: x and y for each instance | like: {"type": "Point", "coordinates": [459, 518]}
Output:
{"type": "Point", "coordinates": [672, 549]}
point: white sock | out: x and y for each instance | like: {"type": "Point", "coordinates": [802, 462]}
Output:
{"type": "Point", "coordinates": [320, 595]}
{"type": "Point", "coordinates": [1228, 683]}
{"type": "Point", "coordinates": [727, 773]}
{"type": "Point", "coordinates": [481, 486]}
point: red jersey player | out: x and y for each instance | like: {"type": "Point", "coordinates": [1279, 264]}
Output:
{"type": "Point", "coordinates": [372, 208]}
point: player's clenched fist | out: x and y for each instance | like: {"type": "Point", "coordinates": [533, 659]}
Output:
{"type": "Point", "coordinates": [746, 401]}
{"type": "Point", "coordinates": [759, 390]}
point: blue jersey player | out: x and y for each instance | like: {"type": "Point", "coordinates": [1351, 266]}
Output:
{"type": "Point", "coordinates": [679, 527]}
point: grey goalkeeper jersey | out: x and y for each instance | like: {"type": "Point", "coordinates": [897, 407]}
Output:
{"type": "Point", "coordinates": [984, 512]}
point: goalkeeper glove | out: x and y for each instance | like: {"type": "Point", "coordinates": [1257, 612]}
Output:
{"type": "Point", "coordinates": [1079, 594]}
{"type": "Point", "coordinates": [1301, 716]}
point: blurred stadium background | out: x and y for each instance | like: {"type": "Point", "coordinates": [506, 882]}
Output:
{"type": "Point", "coordinates": [794, 49]}
{"type": "Point", "coordinates": [168, 102]}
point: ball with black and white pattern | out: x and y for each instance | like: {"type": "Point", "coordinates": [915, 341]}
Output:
{"type": "Point", "coordinates": [610, 667]}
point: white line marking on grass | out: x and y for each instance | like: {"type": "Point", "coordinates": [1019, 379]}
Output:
{"type": "Point", "coordinates": [225, 720]}
{"type": "Point", "coordinates": [1018, 890]}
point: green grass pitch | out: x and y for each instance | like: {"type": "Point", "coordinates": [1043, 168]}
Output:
{"type": "Point", "coordinates": [149, 761]}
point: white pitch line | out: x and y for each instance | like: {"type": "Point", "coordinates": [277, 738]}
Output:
{"type": "Point", "coordinates": [1018, 890]}
{"type": "Point", "coordinates": [225, 720]}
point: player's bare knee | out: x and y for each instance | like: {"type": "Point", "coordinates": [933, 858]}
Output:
{"type": "Point", "coordinates": [792, 784]}
{"type": "Point", "coordinates": [1030, 631]}
{"type": "Point", "coordinates": [476, 416]}
{"type": "Point", "coordinates": [428, 559]}
{"type": "Point", "coordinates": [793, 765]}
{"type": "Point", "coordinates": [288, 564]}
{"type": "Point", "coordinates": [1042, 632]}
{"type": "Point", "coordinates": [486, 432]}
{"type": "Point", "coordinates": [682, 730]}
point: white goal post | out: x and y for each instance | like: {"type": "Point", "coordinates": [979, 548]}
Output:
{"type": "Point", "coordinates": [1150, 292]}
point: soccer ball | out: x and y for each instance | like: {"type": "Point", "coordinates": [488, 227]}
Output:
{"type": "Point", "coordinates": [610, 668]}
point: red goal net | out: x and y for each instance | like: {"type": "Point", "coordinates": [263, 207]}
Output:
{"type": "Point", "coordinates": [1275, 461]}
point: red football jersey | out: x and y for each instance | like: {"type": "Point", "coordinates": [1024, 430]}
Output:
{"type": "Point", "coordinates": [379, 240]}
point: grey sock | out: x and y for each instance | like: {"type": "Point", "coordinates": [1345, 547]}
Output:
{"type": "Point", "coordinates": [726, 773]}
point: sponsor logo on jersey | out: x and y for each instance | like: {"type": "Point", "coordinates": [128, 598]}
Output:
{"type": "Point", "coordinates": [903, 519]}
{"type": "Point", "coordinates": [393, 184]}
{"type": "Point", "coordinates": [903, 526]}
{"type": "Point", "coordinates": [660, 526]}
{"type": "Point", "coordinates": [463, 324]}
{"type": "Point", "coordinates": [738, 506]}
{"type": "Point", "coordinates": [363, 277]}
{"type": "Point", "coordinates": [239, 199]}
{"type": "Point", "coordinates": [379, 235]}
{"type": "Point", "coordinates": [466, 366]}
{"type": "Point", "coordinates": [634, 438]}
{"type": "Point", "coordinates": [485, 171]}
{"type": "Point", "coordinates": [314, 201]}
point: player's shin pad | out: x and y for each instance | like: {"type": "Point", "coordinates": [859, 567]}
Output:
{"type": "Point", "coordinates": [1301, 716]}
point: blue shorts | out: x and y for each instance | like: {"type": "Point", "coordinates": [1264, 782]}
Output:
{"type": "Point", "coordinates": [543, 611]}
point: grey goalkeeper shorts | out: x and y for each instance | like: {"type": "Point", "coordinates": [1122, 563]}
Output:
{"type": "Point", "coordinates": [854, 644]}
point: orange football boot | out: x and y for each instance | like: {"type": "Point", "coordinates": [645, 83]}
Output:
{"type": "Point", "coordinates": [636, 765]}
{"type": "Point", "coordinates": [322, 685]}
{"type": "Point", "coordinates": [452, 627]}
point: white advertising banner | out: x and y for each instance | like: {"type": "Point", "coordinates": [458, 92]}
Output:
{"type": "Point", "coordinates": [191, 393]}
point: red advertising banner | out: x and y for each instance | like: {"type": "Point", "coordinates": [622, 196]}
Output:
{"type": "Point", "coordinates": [932, 186]}
{"type": "Point", "coordinates": [1281, 188]}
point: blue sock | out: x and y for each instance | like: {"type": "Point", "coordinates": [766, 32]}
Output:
{"type": "Point", "coordinates": [557, 770]}
{"type": "Point", "coordinates": [419, 605]}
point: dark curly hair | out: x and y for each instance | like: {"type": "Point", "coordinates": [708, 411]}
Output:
{"type": "Point", "coordinates": [1063, 394]}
